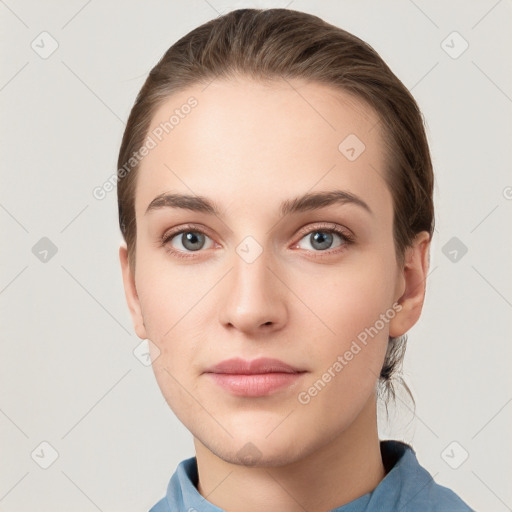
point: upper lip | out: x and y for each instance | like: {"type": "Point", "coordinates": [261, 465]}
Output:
{"type": "Point", "coordinates": [240, 366]}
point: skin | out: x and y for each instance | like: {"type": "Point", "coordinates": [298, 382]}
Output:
{"type": "Point", "coordinates": [249, 146]}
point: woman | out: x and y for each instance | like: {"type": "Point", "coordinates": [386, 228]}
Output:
{"type": "Point", "coordinates": [275, 196]}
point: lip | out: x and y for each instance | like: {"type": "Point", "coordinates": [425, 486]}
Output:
{"type": "Point", "coordinates": [240, 366]}
{"type": "Point", "coordinates": [259, 377]}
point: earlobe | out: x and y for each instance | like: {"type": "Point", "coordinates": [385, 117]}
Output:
{"type": "Point", "coordinates": [414, 275]}
{"type": "Point", "coordinates": [131, 294]}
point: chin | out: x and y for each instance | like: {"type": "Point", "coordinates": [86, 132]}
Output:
{"type": "Point", "coordinates": [252, 455]}
{"type": "Point", "coordinates": [250, 446]}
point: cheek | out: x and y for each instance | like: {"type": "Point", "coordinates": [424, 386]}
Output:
{"type": "Point", "coordinates": [169, 296]}
{"type": "Point", "coordinates": [347, 362]}
{"type": "Point", "coordinates": [177, 306]}
{"type": "Point", "coordinates": [353, 312]}
{"type": "Point", "coordinates": [349, 299]}
{"type": "Point", "coordinates": [174, 306]}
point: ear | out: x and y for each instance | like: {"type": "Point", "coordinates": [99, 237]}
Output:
{"type": "Point", "coordinates": [130, 292]}
{"type": "Point", "coordinates": [413, 282]}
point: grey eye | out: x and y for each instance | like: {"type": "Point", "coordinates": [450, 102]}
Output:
{"type": "Point", "coordinates": [189, 241]}
{"type": "Point", "coordinates": [321, 240]}
{"type": "Point", "coordinates": [192, 241]}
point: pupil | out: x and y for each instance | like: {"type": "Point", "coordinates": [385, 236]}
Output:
{"type": "Point", "coordinates": [191, 241]}
{"type": "Point", "coordinates": [321, 240]}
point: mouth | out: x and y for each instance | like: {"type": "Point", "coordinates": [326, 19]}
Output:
{"type": "Point", "coordinates": [259, 377]}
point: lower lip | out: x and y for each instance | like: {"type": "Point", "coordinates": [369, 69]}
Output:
{"type": "Point", "coordinates": [261, 384]}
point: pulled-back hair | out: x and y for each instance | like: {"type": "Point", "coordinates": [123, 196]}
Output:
{"type": "Point", "coordinates": [282, 43]}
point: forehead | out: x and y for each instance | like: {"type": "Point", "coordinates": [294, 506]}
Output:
{"type": "Point", "coordinates": [252, 140]}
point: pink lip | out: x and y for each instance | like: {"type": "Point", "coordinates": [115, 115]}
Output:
{"type": "Point", "coordinates": [261, 365]}
{"type": "Point", "coordinates": [259, 377]}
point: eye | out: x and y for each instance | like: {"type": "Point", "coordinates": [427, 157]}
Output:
{"type": "Point", "coordinates": [189, 240]}
{"type": "Point", "coordinates": [186, 241]}
{"type": "Point", "coordinates": [324, 238]}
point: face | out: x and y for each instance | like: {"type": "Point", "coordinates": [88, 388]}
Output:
{"type": "Point", "coordinates": [283, 250]}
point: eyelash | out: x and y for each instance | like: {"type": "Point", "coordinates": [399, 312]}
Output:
{"type": "Point", "coordinates": [345, 235]}
{"type": "Point", "coordinates": [168, 236]}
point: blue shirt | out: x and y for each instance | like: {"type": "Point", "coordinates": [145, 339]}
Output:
{"type": "Point", "coordinates": [406, 487]}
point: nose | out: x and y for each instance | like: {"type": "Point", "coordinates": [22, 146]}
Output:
{"type": "Point", "coordinates": [254, 298]}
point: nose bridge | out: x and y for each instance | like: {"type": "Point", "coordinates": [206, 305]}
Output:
{"type": "Point", "coordinates": [251, 276]}
{"type": "Point", "coordinates": [254, 297]}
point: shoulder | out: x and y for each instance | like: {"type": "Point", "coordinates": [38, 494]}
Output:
{"type": "Point", "coordinates": [416, 488]}
{"type": "Point", "coordinates": [437, 498]}
{"type": "Point", "coordinates": [181, 493]}
{"type": "Point", "coordinates": [161, 506]}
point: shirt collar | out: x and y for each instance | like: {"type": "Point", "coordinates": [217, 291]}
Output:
{"type": "Point", "coordinates": [405, 478]}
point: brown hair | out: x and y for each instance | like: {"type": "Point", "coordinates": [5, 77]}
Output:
{"type": "Point", "coordinates": [282, 43]}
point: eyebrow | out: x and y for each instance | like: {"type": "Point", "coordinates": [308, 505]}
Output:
{"type": "Point", "coordinates": [307, 202]}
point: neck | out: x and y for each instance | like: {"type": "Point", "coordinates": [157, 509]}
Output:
{"type": "Point", "coordinates": [339, 471]}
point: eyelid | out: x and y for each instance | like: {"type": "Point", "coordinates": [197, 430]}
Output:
{"type": "Point", "coordinates": [326, 226]}
{"type": "Point", "coordinates": [171, 233]}
{"type": "Point", "coordinates": [304, 231]}
{"type": "Point", "coordinates": [165, 239]}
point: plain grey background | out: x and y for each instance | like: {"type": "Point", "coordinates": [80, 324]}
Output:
{"type": "Point", "coordinates": [69, 377]}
